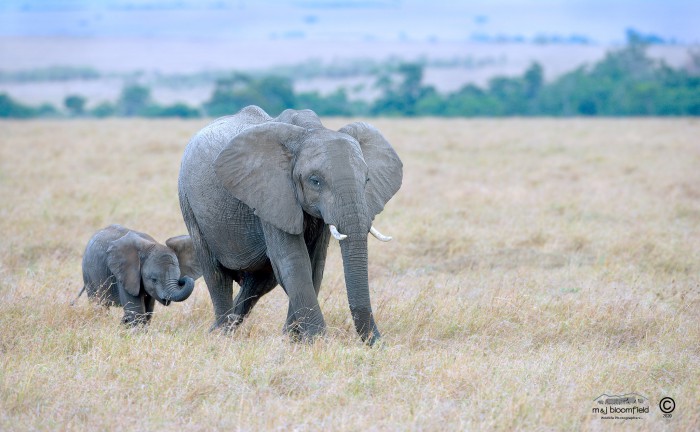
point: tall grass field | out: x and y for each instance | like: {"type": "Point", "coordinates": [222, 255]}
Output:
{"type": "Point", "coordinates": [536, 265]}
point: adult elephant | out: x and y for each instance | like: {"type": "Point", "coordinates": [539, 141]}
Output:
{"type": "Point", "coordinates": [261, 197]}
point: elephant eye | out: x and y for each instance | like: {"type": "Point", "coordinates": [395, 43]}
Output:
{"type": "Point", "coordinates": [367, 180]}
{"type": "Point", "coordinates": [314, 180]}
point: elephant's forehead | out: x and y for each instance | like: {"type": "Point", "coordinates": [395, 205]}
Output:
{"type": "Point", "coordinates": [164, 259]}
{"type": "Point", "coordinates": [333, 147]}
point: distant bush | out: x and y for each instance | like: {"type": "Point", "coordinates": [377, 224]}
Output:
{"type": "Point", "coordinates": [272, 93]}
{"type": "Point", "coordinates": [46, 110]}
{"type": "Point", "coordinates": [180, 110]}
{"type": "Point", "coordinates": [403, 97]}
{"type": "Point", "coordinates": [13, 109]}
{"type": "Point", "coordinates": [134, 100]}
{"type": "Point", "coordinates": [10, 108]}
{"type": "Point", "coordinates": [75, 104]}
{"type": "Point", "coordinates": [626, 82]}
{"type": "Point", "coordinates": [334, 104]}
{"type": "Point", "coordinates": [104, 109]}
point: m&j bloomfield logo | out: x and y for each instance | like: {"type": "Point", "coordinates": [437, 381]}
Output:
{"type": "Point", "coordinates": [630, 406]}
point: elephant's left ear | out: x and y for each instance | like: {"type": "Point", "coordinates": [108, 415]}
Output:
{"type": "Point", "coordinates": [124, 261]}
{"type": "Point", "coordinates": [385, 167]}
{"type": "Point", "coordinates": [255, 166]}
{"type": "Point", "coordinates": [184, 249]}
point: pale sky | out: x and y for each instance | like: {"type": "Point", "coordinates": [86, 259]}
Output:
{"type": "Point", "coordinates": [603, 21]}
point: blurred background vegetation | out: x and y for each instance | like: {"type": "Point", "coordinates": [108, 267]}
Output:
{"type": "Point", "coordinates": [626, 82]}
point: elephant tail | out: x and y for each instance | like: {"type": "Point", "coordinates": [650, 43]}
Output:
{"type": "Point", "coordinates": [72, 303]}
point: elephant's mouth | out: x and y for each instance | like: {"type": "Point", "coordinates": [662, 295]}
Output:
{"type": "Point", "coordinates": [165, 302]}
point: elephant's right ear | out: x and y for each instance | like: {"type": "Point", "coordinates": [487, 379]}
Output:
{"type": "Point", "coordinates": [256, 168]}
{"type": "Point", "coordinates": [385, 167]}
{"type": "Point", "coordinates": [186, 257]}
{"type": "Point", "coordinates": [124, 261]}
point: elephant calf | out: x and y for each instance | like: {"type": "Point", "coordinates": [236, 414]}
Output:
{"type": "Point", "coordinates": [130, 269]}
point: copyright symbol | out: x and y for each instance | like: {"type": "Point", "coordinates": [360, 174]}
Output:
{"type": "Point", "coordinates": [667, 405]}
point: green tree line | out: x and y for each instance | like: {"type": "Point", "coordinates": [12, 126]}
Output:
{"type": "Point", "coordinates": [626, 82]}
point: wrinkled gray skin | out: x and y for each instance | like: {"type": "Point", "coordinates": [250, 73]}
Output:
{"type": "Point", "coordinates": [257, 195]}
{"type": "Point", "coordinates": [127, 268]}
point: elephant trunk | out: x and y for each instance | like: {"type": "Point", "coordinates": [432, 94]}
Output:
{"type": "Point", "coordinates": [178, 290]}
{"type": "Point", "coordinates": [353, 223]}
{"type": "Point", "coordinates": [354, 253]}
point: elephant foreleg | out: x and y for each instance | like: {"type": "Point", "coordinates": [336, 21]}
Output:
{"type": "Point", "coordinates": [292, 267]}
{"type": "Point", "coordinates": [134, 309]}
{"type": "Point", "coordinates": [149, 304]}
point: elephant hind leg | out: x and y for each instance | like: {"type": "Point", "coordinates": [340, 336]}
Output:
{"type": "Point", "coordinates": [220, 285]}
{"type": "Point", "coordinates": [317, 245]}
{"type": "Point", "coordinates": [254, 285]}
{"type": "Point", "coordinates": [218, 279]}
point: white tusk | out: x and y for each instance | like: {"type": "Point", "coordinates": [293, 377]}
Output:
{"type": "Point", "coordinates": [379, 235]}
{"type": "Point", "coordinates": [338, 236]}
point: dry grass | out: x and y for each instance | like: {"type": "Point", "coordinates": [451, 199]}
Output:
{"type": "Point", "coordinates": [536, 264]}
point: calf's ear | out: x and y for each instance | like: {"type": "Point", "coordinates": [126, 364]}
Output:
{"type": "Point", "coordinates": [184, 249]}
{"type": "Point", "coordinates": [124, 259]}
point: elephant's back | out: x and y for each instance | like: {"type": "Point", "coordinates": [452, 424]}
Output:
{"type": "Point", "coordinates": [205, 145]}
{"type": "Point", "coordinates": [100, 241]}
{"type": "Point", "coordinates": [227, 225]}
{"type": "Point", "coordinates": [197, 176]}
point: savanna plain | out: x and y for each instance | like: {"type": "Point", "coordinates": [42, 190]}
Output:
{"type": "Point", "coordinates": [536, 264]}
